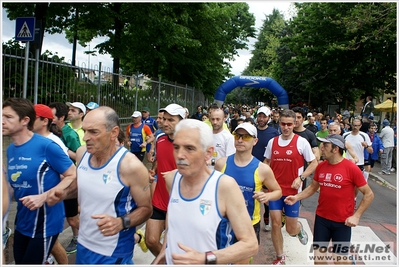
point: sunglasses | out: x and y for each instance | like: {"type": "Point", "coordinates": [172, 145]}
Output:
{"type": "Point", "coordinates": [289, 124]}
{"type": "Point", "coordinates": [245, 137]}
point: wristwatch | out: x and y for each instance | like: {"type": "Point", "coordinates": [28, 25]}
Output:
{"type": "Point", "coordinates": [125, 221]}
{"type": "Point", "coordinates": [302, 178]}
{"type": "Point", "coordinates": [210, 258]}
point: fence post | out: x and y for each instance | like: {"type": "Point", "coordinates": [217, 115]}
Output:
{"type": "Point", "coordinates": [185, 96]}
{"type": "Point", "coordinates": [136, 81]}
{"type": "Point", "coordinates": [25, 88]}
{"type": "Point", "coordinates": [36, 75]}
{"type": "Point", "coordinates": [159, 92]}
{"type": "Point", "coordinates": [175, 94]}
{"type": "Point", "coordinates": [195, 104]}
{"type": "Point", "coordinates": [99, 83]}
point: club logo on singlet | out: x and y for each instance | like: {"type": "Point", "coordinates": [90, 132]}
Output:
{"type": "Point", "coordinates": [288, 152]}
{"type": "Point", "coordinates": [107, 177]}
{"type": "Point", "coordinates": [205, 206]}
{"type": "Point", "coordinates": [15, 176]}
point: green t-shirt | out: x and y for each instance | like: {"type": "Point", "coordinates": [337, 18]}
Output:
{"type": "Point", "coordinates": [321, 134]}
{"type": "Point", "coordinates": [70, 138]}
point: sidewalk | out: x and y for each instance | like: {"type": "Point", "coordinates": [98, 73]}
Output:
{"type": "Point", "coordinates": [386, 180]}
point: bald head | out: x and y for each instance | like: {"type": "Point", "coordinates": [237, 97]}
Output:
{"type": "Point", "coordinates": [217, 119]}
{"type": "Point", "coordinates": [105, 115]}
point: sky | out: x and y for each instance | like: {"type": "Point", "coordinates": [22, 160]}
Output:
{"type": "Point", "coordinates": [58, 44]}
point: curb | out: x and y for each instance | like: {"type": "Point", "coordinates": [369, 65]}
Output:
{"type": "Point", "coordinates": [383, 181]}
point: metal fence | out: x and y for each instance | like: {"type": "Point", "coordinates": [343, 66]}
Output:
{"type": "Point", "coordinates": [52, 79]}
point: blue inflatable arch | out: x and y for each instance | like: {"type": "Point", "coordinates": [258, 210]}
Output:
{"type": "Point", "coordinates": [252, 81]}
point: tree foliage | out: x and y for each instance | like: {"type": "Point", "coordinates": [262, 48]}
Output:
{"type": "Point", "coordinates": [331, 53]}
{"type": "Point", "coordinates": [184, 42]}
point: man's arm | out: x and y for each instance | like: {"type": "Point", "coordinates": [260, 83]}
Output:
{"type": "Point", "coordinates": [267, 177]}
{"type": "Point", "coordinates": [232, 205]}
{"type": "Point", "coordinates": [309, 190]}
{"type": "Point", "coordinates": [316, 153]}
{"type": "Point", "coordinates": [351, 152]}
{"type": "Point", "coordinates": [368, 197]}
{"type": "Point", "coordinates": [134, 174]}
{"type": "Point", "coordinates": [220, 164]}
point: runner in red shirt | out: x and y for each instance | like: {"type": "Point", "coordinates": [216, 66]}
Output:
{"type": "Point", "coordinates": [165, 162]}
{"type": "Point", "coordinates": [337, 178]}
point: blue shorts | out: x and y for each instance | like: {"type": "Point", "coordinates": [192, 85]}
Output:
{"type": "Point", "coordinates": [86, 256]}
{"type": "Point", "coordinates": [326, 230]}
{"type": "Point", "coordinates": [290, 210]}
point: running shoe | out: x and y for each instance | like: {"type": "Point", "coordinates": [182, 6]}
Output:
{"type": "Point", "coordinates": [71, 248]}
{"type": "Point", "coordinates": [279, 260]}
{"type": "Point", "coordinates": [142, 243]}
{"type": "Point", "coordinates": [6, 235]}
{"type": "Point", "coordinates": [268, 228]}
{"type": "Point", "coordinates": [302, 236]}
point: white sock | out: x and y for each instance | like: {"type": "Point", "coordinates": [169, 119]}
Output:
{"type": "Point", "coordinates": [366, 175]}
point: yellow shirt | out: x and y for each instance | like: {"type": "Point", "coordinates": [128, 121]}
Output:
{"type": "Point", "coordinates": [207, 121]}
{"type": "Point", "coordinates": [80, 132]}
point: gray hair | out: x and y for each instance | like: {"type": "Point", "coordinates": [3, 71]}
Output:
{"type": "Point", "coordinates": [333, 123]}
{"type": "Point", "coordinates": [288, 113]}
{"type": "Point", "coordinates": [206, 135]}
{"type": "Point", "coordinates": [111, 117]}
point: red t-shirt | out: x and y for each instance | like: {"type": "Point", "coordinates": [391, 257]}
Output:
{"type": "Point", "coordinates": [165, 162]}
{"type": "Point", "coordinates": [337, 189]}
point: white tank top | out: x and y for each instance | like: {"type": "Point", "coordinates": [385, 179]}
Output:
{"type": "Point", "coordinates": [196, 222]}
{"type": "Point", "coordinates": [100, 191]}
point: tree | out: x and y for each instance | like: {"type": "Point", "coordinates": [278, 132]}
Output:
{"type": "Point", "coordinates": [342, 51]}
{"type": "Point", "coordinates": [183, 42]}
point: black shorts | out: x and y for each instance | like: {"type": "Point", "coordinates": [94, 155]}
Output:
{"type": "Point", "coordinates": [369, 162]}
{"type": "Point", "coordinates": [158, 214]}
{"type": "Point", "coordinates": [257, 233]}
{"type": "Point", "coordinates": [71, 207]}
{"type": "Point", "coordinates": [326, 230]}
{"type": "Point", "coordinates": [139, 155]}
{"type": "Point", "coordinates": [28, 250]}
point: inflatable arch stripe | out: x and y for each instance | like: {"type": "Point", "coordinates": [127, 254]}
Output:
{"type": "Point", "coordinates": [255, 82]}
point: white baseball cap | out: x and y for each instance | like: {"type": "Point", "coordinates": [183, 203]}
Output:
{"type": "Point", "coordinates": [77, 105]}
{"type": "Point", "coordinates": [310, 114]}
{"type": "Point", "coordinates": [247, 126]}
{"type": "Point", "coordinates": [264, 110]}
{"type": "Point", "coordinates": [136, 114]}
{"type": "Point", "coordinates": [174, 110]}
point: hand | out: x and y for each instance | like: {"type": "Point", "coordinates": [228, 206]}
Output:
{"type": "Point", "coordinates": [55, 195]}
{"type": "Point", "coordinates": [143, 144]}
{"type": "Point", "coordinates": [150, 156]}
{"type": "Point", "coordinates": [352, 221]}
{"type": "Point", "coordinates": [189, 258]}
{"type": "Point", "coordinates": [290, 200]}
{"type": "Point", "coordinates": [34, 202]}
{"type": "Point", "coordinates": [296, 183]}
{"type": "Point", "coordinates": [108, 225]}
{"type": "Point", "coordinates": [262, 197]}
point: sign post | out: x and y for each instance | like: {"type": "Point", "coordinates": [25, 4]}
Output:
{"type": "Point", "coordinates": [25, 32]}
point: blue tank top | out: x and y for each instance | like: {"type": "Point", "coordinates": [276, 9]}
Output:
{"type": "Point", "coordinates": [136, 138]}
{"type": "Point", "coordinates": [247, 178]}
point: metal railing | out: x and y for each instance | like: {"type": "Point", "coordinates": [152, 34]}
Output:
{"type": "Point", "coordinates": [57, 80]}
